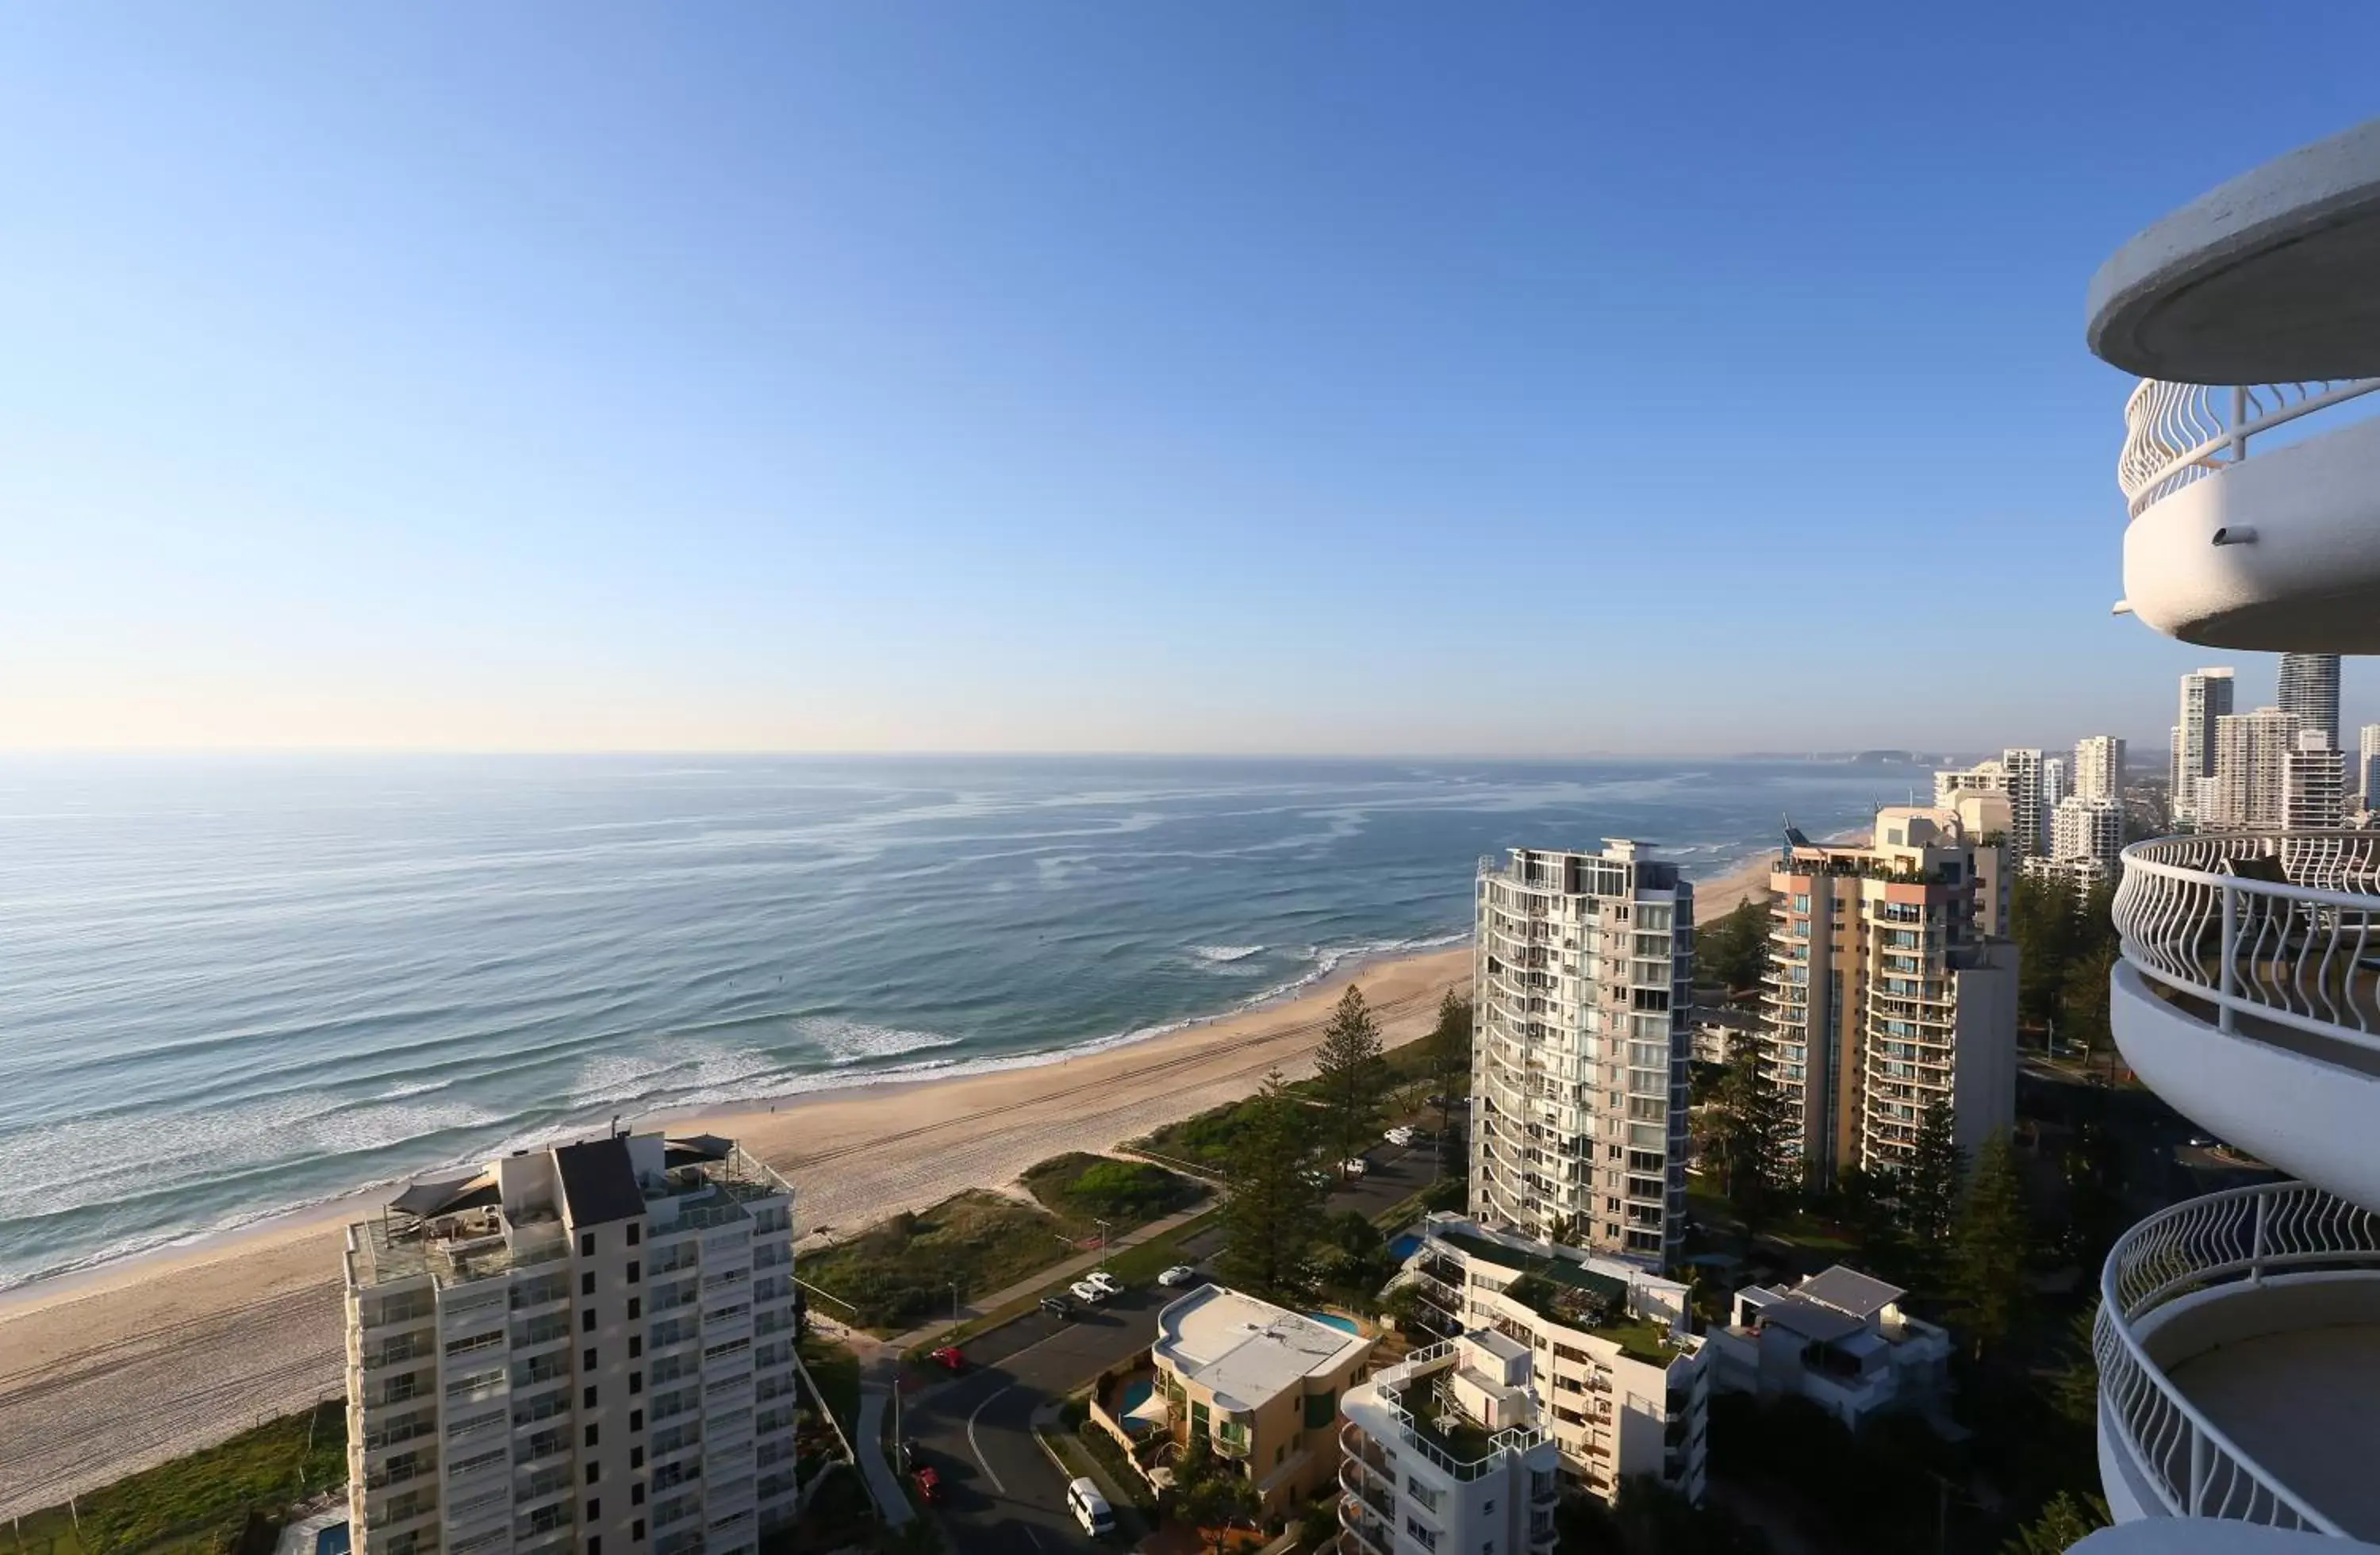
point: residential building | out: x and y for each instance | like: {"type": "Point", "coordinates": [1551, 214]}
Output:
{"type": "Point", "coordinates": [2054, 788]}
{"type": "Point", "coordinates": [1891, 985]}
{"type": "Point", "coordinates": [1983, 777]}
{"type": "Point", "coordinates": [1617, 1370]}
{"type": "Point", "coordinates": [584, 1345]}
{"type": "Point", "coordinates": [2239, 1346]}
{"type": "Point", "coordinates": [2088, 836]}
{"type": "Point", "coordinates": [2099, 767]}
{"type": "Point", "coordinates": [1448, 1450]}
{"type": "Point", "coordinates": [2367, 766]}
{"type": "Point", "coordinates": [2028, 814]}
{"type": "Point", "coordinates": [2308, 692]}
{"type": "Point", "coordinates": [1261, 1384]}
{"type": "Point", "coordinates": [2314, 784]}
{"type": "Point", "coordinates": [2206, 697]}
{"type": "Point", "coordinates": [1838, 1339]}
{"type": "Point", "coordinates": [2246, 792]}
{"type": "Point", "coordinates": [2177, 782]}
{"type": "Point", "coordinates": [1582, 996]}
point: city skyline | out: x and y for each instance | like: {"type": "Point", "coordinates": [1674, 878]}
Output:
{"type": "Point", "coordinates": [817, 382]}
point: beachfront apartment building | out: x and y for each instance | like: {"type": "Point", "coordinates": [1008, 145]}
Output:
{"type": "Point", "coordinates": [1618, 1373]}
{"type": "Point", "coordinates": [1891, 985]}
{"type": "Point", "coordinates": [2247, 791]}
{"type": "Point", "coordinates": [1583, 994]}
{"type": "Point", "coordinates": [577, 1348]}
{"type": "Point", "coordinates": [1839, 1338]}
{"type": "Point", "coordinates": [2308, 691]}
{"type": "Point", "coordinates": [2367, 766]}
{"type": "Point", "coordinates": [1448, 1450]}
{"type": "Point", "coordinates": [2098, 768]}
{"type": "Point", "coordinates": [2206, 697]}
{"type": "Point", "coordinates": [2086, 836]}
{"type": "Point", "coordinates": [1261, 1384]}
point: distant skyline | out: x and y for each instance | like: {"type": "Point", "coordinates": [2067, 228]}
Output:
{"type": "Point", "coordinates": [1233, 379]}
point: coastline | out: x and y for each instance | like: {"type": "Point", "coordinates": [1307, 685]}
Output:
{"type": "Point", "coordinates": [115, 1367]}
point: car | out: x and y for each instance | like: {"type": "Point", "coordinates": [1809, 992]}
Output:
{"type": "Point", "coordinates": [928, 1483]}
{"type": "Point", "coordinates": [1057, 1307]}
{"type": "Point", "coordinates": [1090, 1508]}
{"type": "Point", "coordinates": [1104, 1281]}
{"type": "Point", "coordinates": [1180, 1274]}
{"type": "Point", "coordinates": [1400, 1134]}
{"type": "Point", "coordinates": [912, 1455]}
{"type": "Point", "coordinates": [1086, 1292]}
{"type": "Point", "coordinates": [1355, 1166]}
{"type": "Point", "coordinates": [1316, 1179]}
{"type": "Point", "coordinates": [948, 1357]}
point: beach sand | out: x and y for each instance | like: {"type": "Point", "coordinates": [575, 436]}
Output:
{"type": "Point", "coordinates": [104, 1374]}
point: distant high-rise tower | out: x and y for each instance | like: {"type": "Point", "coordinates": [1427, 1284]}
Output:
{"type": "Point", "coordinates": [2099, 767]}
{"type": "Point", "coordinates": [2367, 766]}
{"type": "Point", "coordinates": [2310, 691]}
{"type": "Point", "coordinates": [2206, 697]}
{"type": "Point", "coordinates": [2028, 814]}
{"type": "Point", "coordinates": [2054, 780]}
{"type": "Point", "coordinates": [2314, 784]}
{"type": "Point", "coordinates": [2246, 792]}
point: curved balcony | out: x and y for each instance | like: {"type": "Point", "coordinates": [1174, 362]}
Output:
{"type": "Point", "coordinates": [2239, 1348]}
{"type": "Point", "coordinates": [2249, 995]}
{"type": "Point", "coordinates": [2279, 552]}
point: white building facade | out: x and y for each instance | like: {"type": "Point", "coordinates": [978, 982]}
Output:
{"type": "Point", "coordinates": [1838, 1339]}
{"type": "Point", "coordinates": [2246, 790]}
{"type": "Point", "coordinates": [2206, 697]}
{"type": "Point", "coordinates": [1446, 1451]}
{"type": "Point", "coordinates": [2099, 767]}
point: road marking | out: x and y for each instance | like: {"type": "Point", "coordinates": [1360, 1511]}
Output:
{"type": "Point", "coordinates": [1031, 1535]}
{"type": "Point", "coordinates": [976, 1448]}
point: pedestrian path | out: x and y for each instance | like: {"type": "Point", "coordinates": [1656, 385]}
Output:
{"type": "Point", "coordinates": [1057, 1272]}
{"type": "Point", "coordinates": [883, 1484]}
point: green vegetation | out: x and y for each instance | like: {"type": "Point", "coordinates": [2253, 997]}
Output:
{"type": "Point", "coordinates": [1273, 1215]}
{"type": "Point", "coordinates": [1084, 1189]}
{"type": "Point", "coordinates": [1747, 1134]}
{"type": "Point", "coordinates": [834, 1371]}
{"type": "Point", "coordinates": [1987, 1248]}
{"type": "Point", "coordinates": [1210, 1494]}
{"type": "Point", "coordinates": [1446, 1055]}
{"type": "Point", "coordinates": [2066, 1519]}
{"type": "Point", "coordinates": [2066, 941]}
{"type": "Point", "coordinates": [1208, 1138]}
{"type": "Point", "coordinates": [205, 1503]}
{"type": "Point", "coordinates": [1653, 1519]}
{"type": "Point", "coordinates": [1350, 1076]}
{"type": "Point", "coordinates": [1732, 951]}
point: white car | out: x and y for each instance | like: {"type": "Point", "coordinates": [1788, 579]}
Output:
{"type": "Point", "coordinates": [1180, 1274]}
{"type": "Point", "coordinates": [1089, 1294]}
{"type": "Point", "coordinates": [1401, 1135]}
{"type": "Point", "coordinates": [1104, 1281]}
{"type": "Point", "coordinates": [1355, 1166]}
{"type": "Point", "coordinates": [1090, 1508]}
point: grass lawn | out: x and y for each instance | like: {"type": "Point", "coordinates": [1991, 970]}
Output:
{"type": "Point", "coordinates": [199, 1504]}
{"type": "Point", "coordinates": [835, 1371]}
{"type": "Point", "coordinates": [1081, 1188]}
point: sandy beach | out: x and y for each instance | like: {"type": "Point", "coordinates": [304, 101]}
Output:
{"type": "Point", "coordinates": [106, 1373]}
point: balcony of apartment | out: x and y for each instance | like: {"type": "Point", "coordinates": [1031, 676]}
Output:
{"type": "Point", "coordinates": [2238, 1350]}
{"type": "Point", "coordinates": [2248, 993]}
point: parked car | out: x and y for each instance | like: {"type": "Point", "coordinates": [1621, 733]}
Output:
{"type": "Point", "coordinates": [1057, 1307]}
{"type": "Point", "coordinates": [1104, 1281]}
{"type": "Point", "coordinates": [912, 1455]}
{"type": "Point", "coordinates": [1355, 1166]}
{"type": "Point", "coordinates": [1180, 1274]}
{"type": "Point", "coordinates": [1090, 1508]}
{"type": "Point", "coordinates": [929, 1484]}
{"type": "Point", "coordinates": [1316, 1179]}
{"type": "Point", "coordinates": [1086, 1292]}
{"type": "Point", "coordinates": [948, 1357]}
{"type": "Point", "coordinates": [1400, 1136]}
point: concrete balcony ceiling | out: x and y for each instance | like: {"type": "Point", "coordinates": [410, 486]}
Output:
{"type": "Point", "coordinates": [2269, 278]}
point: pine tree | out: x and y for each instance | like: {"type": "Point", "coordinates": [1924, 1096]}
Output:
{"type": "Point", "coordinates": [1927, 1186]}
{"type": "Point", "coordinates": [1273, 1215]}
{"type": "Point", "coordinates": [2064, 1520]}
{"type": "Point", "coordinates": [1748, 1134]}
{"type": "Point", "coordinates": [1987, 1248]}
{"type": "Point", "coordinates": [1350, 1073]}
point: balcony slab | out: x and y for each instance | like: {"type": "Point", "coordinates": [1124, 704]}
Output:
{"type": "Point", "coordinates": [2302, 1402]}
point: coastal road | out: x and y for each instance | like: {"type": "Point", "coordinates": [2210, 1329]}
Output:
{"type": "Point", "coordinates": [1000, 1494]}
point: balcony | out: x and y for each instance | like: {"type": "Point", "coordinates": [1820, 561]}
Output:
{"type": "Point", "coordinates": [2249, 994]}
{"type": "Point", "coordinates": [2238, 1348]}
{"type": "Point", "coordinates": [2275, 552]}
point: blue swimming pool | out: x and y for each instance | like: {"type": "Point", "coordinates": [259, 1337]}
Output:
{"type": "Point", "coordinates": [1135, 1393]}
{"type": "Point", "coordinates": [333, 1540]}
{"type": "Point", "coordinates": [1345, 1324]}
{"type": "Point", "coordinates": [1405, 1247]}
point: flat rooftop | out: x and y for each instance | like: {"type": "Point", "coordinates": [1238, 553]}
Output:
{"type": "Point", "coordinates": [1247, 1350]}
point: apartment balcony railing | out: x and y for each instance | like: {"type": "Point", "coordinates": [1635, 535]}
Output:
{"type": "Point", "coordinates": [2277, 927]}
{"type": "Point", "coordinates": [2237, 1237]}
{"type": "Point", "coordinates": [2176, 433]}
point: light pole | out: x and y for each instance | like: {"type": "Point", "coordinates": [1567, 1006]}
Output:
{"type": "Point", "coordinates": [1103, 1242]}
{"type": "Point", "coordinates": [955, 1301]}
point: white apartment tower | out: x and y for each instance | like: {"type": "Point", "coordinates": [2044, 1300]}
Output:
{"type": "Point", "coordinates": [2028, 814]}
{"type": "Point", "coordinates": [2308, 692]}
{"type": "Point", "coordinates": [2245, 794]}
{"type": "Point", "coordinates": [2087, 837]}
{"type": "Point", "coordinates": [2367, 766]}
{"type": "Point", "coordinates": [2099, 767]}
{"type": "Point", "coordinates": [1447, 1450]}
{"type": "Point", "coordinates": [2314, 784]}
{"type": "Point", "coordinates": [579, 1347]}
{"type": "Point", "coordinates": [1891, 985]}
{"type": "Point", "coordinates": [2054, 788]}
{"type": "Point", "coordinates": [1582, 979]}
{"type": "Point", "coordinates": [2206, 697]}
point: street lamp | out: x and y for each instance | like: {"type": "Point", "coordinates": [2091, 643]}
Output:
{"type": "Point", "coordinates": [1103, 1242]}
{"type": "Point", "coordinates": [955, 1301]}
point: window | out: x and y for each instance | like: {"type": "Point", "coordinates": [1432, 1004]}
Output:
{"type": "Point", "coordinates": [636, 1495]}
{"type": "Point", "coordinates": [636, 1234]}
{"type": "Point", "coordinates": [594, 1473]}
{"type": "Point", "coordinates": [587, 1284]}
{"type": "Point", "coordinates": [589, 1360]}
{"type": "Point", "coordinates": [590, 1402]}
{"type": "Point", "coordinates": [638, 1531]}
{"type": "Point", "coordinates": [585, 1244]}
{"type": "Point", "coordinates": [636, 1454]}
{"type": "Point", "coordinates": [635, 1345]}
{"type": "Point", "coordinates": [587, 1320]}
{"type": "Point", "coordinates": [635, 1308]}
{"type": "Point", "coordinates": [636, 1423]}
{"type": "Point", "coordinates": [635, 1381]}
{"type": "Point", "coordinates": [591, 1436]}
{"type": "Point", "coordinates": [594, 1512]}
{"type": "Point", "coordinates": [635, 1269]}
{"type": "Point", "coordinates": [595, 1544]}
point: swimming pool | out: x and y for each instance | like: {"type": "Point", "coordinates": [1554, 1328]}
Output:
{"type": "Point", "coordinates": [1405, 1247]}
{"type": "Point", "coordinates": [1343, 1324]}
{"type": "Point", "coordinates": [1136, 1392]}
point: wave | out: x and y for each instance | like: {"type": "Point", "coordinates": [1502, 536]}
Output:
{"type": "Point", "coordinates": [1223, 955]}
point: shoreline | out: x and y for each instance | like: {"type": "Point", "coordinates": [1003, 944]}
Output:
{"type": "Point", "coordinates": [115, 1367]}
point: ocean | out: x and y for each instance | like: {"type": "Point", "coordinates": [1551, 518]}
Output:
{"type": "Point", "coordinates": [230, 987]}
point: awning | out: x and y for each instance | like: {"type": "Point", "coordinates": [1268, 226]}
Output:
{"type": "Point", "coordinates": [1152, 1411]}
{"type": "Point", "coordinates": [425, 1199]}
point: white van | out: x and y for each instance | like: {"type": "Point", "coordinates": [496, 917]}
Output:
{"type": "Point", "coordinates": [1090, 1508]}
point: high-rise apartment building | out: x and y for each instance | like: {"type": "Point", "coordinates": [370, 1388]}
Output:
{"type": "Point", "coordinates": [1582, 979]}
{"type": "Point", "coordinates": [1891, 986]}
{"type": "Point", "coordinates": [2086, 838]}
{"type": "Point", "coordinates": [1447, 1450]}
{"type": "Point", "coordinates": [2308, 692]}
{"type": "Point", "coordinates": [2314, 784]}
{"type": "Point", "coordinates": [2054, 788]}
{"type": "Point", "coordinates": [2367, 766]}
{"type": "Point", "coordinates": [575, 1346]}
{"type": "Point", "coordinates": [2245, 794]}
{"type": "Point", "coordinates": [2206, 697]}
{"type": "Point", "coordinates": [2099, 767]}
{"type": "Point", "coordinates": [2027, 813]}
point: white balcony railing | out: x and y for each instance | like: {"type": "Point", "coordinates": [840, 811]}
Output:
{"type": "Point", "coordinates": [2176, 433]}
{"type": "Point", "coordinates": [2277, 927]}
{"type": "Point", "coordinates": [2239, 1236]}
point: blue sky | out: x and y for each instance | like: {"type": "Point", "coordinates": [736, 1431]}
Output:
{"type": "Point", "coordinates": [1516, 380]}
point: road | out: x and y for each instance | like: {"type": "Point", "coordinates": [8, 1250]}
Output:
{"type": "Point", "coordinates": [1001, 1495]}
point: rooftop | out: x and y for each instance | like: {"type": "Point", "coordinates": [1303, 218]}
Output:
{"type": "Point", "coordinates": [599, 1181]}
{"type": "Point", "coordinates": [1248, 1351]}
{"type": "Point", "coordinates": [1847, 1290]}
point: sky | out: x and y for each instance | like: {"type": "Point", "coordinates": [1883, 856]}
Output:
{"type": "Point", "coordinates": [1332, 378]}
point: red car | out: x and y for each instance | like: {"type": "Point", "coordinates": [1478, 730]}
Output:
{"type": "Point", "coordinates": [929, 1484]}
{"type": "Point", "coordinates": [948, 1356]}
